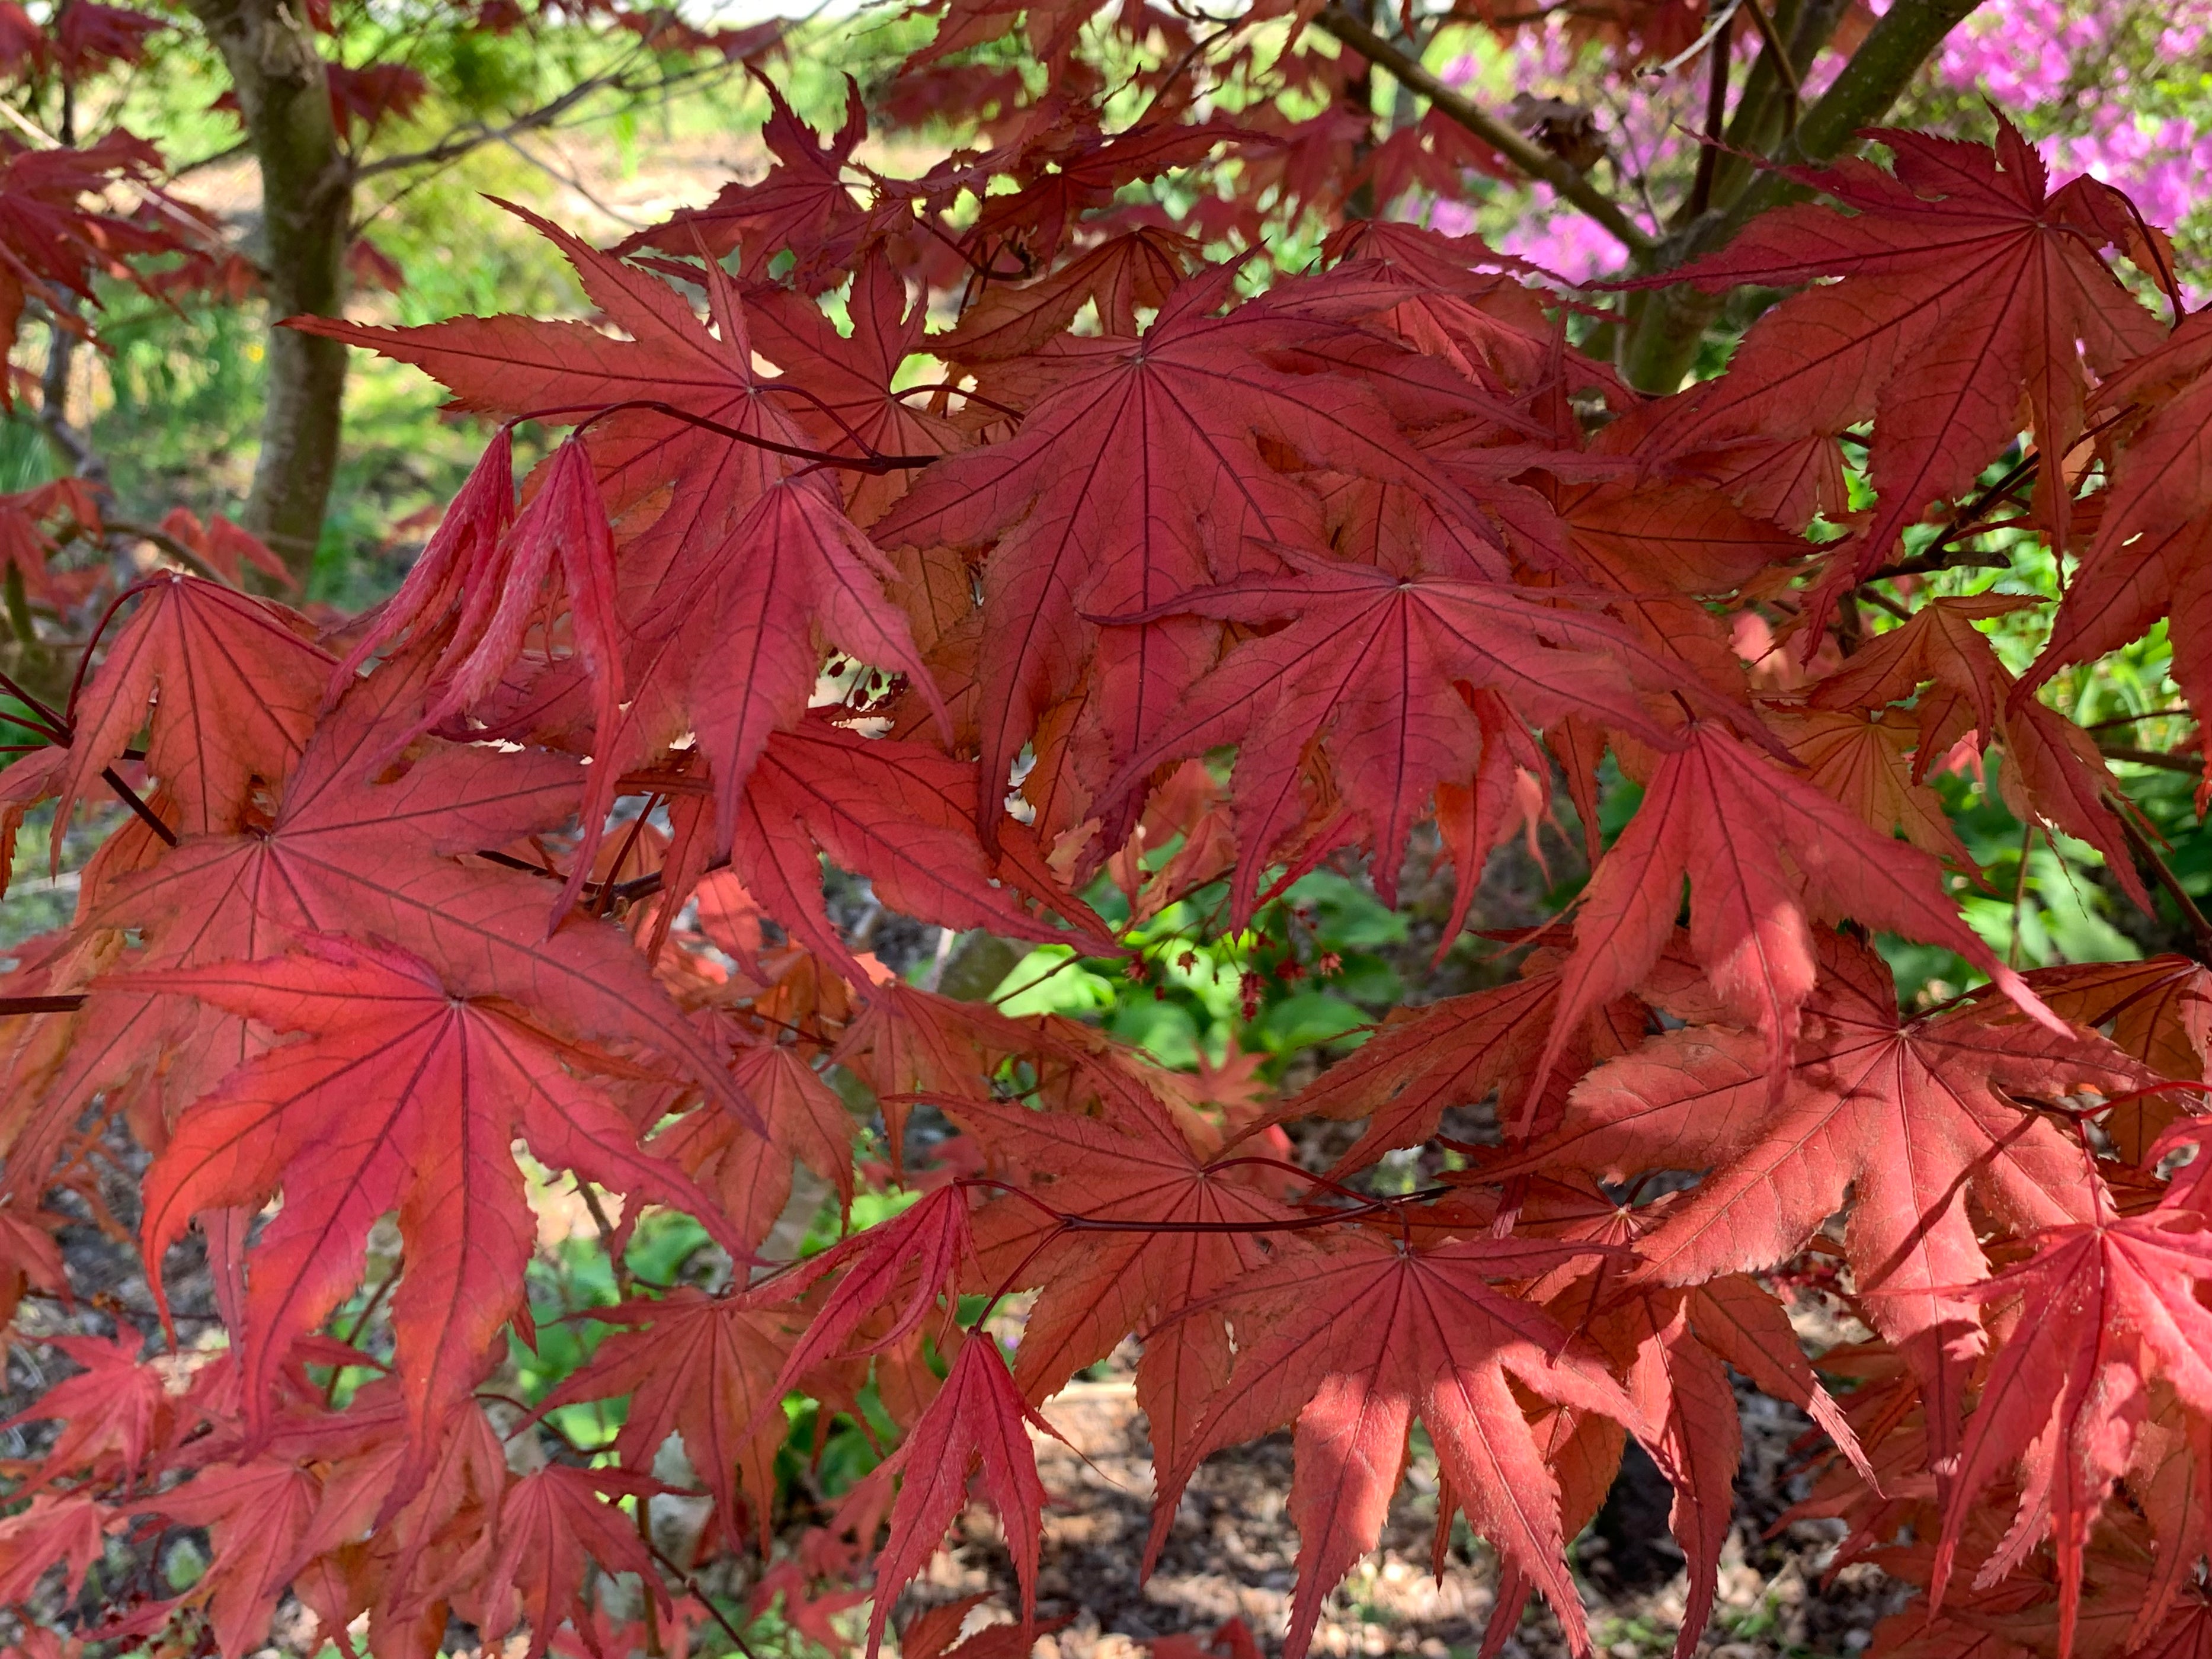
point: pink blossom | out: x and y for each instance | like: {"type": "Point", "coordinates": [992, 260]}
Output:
{"type": "Point", "coordinates": [2029, 57]}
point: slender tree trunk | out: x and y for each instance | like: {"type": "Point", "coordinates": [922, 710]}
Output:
{"type": "Point", "coordinates": [1359, 98]}
{"type": "Point", "coordinates": [307, 205]}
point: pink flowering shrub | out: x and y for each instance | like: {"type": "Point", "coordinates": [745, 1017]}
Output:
{"type": "Point", "coordinates": [2108, 85]}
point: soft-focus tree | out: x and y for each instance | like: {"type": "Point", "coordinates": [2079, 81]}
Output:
{"type": "Point", "coordinates": [345, 111]}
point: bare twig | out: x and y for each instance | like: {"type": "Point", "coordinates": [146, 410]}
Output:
{"type": "Point", "coordinates": [168, 545]}
{"type": "Point", "coordinates": [691, 1584]}
{"type": "Point", "coordinates": [66, 1003]}
{"type": "Point", "coordinates": [474, 135]}
{"type": "Point", "coordinates": [1531, 158]}
{"type": "Point", "coordinates": [2161, 759]}
{"type": "Point", "coordinates": [131, 798]}
{"type": "Point", "coordinates": [2200, 929]}
{"type": "Point", "coordinates": [1959, 558]}
{"type": "Point", "coordinates": [606, 1229]}
{"type": "Point", "coordinates": [1709, 157]}
{"type": "Point", "coordinates": [1792, 90]}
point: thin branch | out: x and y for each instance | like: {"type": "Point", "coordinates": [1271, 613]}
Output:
{"type": "Point", "coordinates": [573, 182]}
{"type": "Point", "coordinates": [873, 462]}
{"type": "Point", "coordinates": [1531, 158]}
{"type": "Point", "coordinates": [131, 798]}
{"type": "Point", "coordinates": [606, 1230]}
{"type": "Point", "coordinates": [474, 135]}
{"type": "Point", "coordinates": [2200, 929]}
{"type": "Point", "coordinates": [1882, 602]}
{"type": "Point", "coordinates": [508, 861]}
{"type": "Point", "coordinates": [66, 1003]}
{"type": "Point", "coordinates": [469, 137]}
{"type": "Point", "coordinates": [1878, 72]}
{"type": "Point", "coordinates": [168, 545]}
{"type": "Point", "coordinates": [606, 899]}
{"type": "Point", "coordinates": [49, 724]}
{"type": "Point", "coordinates": [691, 1584]}
{"type": "Point", "coordinates": [2181, 713]}
{"type": "Point", "coordinates": [1709, 157]}
{"type": "Point", "coordinates": [1696, 48]}
{"type": "Point", "coordinates": [1793, 90]}
{"type": "Point", "coordinates": [244, 146]}
{"type": "Point", "coordinates": [1959, 558]}
{"type": "Point", "coordinates": [2162, 759]}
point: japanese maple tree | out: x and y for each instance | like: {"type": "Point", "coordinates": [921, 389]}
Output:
{"type": "Point", "coordinates": [1083, 541]}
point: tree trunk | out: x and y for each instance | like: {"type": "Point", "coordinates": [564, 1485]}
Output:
{"type": "Point", "coordinates": [306, 206]}
{"type": "Point", "coordinates": [1659, 340]}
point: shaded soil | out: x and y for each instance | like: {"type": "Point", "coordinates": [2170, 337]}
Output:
{"type": "Point", "coordinates": [1231, 1550]}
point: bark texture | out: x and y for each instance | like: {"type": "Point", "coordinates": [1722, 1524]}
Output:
{"type": "Point", "coordinates": [307, 205]}
{"type": "Point", "coordinates": [1666, 325]}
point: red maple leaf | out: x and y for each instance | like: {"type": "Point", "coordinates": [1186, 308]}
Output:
{"type": "Point", "coordinates": [344, 854]}
{"type": "Point", "coordinates": [701, 1367]}
{"type": "Point", "coordinates": [1370, 666]}
{"type": "Point", "coordinates": [551, 1525]}
{"type": "Point", "coordinates": [978, 1418]}
{"type": "Point", "coordinates": [1457, 1052]}
{"type": "Point", "coordinates": [1170, 488]}
{"type": "Point", "coordinates": [844, 382]}
{"type": "Point", "coordinates": [1969, 286]}
{"type": "Point", "coordinates": [117, 1409]}
{"type": "Point", "coordinates": [2056, 776]}
{"type": "Point", "coordinates": [1356, 1337]}
{"type": "Point", "coordinates": [804, 206]}
{"type": "Point", "coordinates": [749, 1174]}
{"type": "Point", "coordinates": [899, 813]}
{"type": "Point", "coordinates": [2147, 558]}
{"type": "Point", "coordinates": [266, 1518]}
{"type": "Point", "coordinates": [234, 683]}
{"type": "Point", "coordinates": [2106, 1304]}
{"type": "Point", "coordinates": [906, 1262]}
{"type": "Point", "coordinates": [1766, 856]}
{"type": "Point", "coordinates": [1912, 1116]}
{"type": "Point", "coordinates": [736, 654]}
{"type": "Point", "coordinates": [24, 541]}
{"type": "Point", "coordinates": [1674, 1347]}
{"type": "Point", "coordinates": [1095, 1285]}
{"type": "Point", "coordinates": [71, 1529]}
{"type": "Point", "coordinates": [406, 1095]}
{"type": "Point", "coordinates": [1122, 276]}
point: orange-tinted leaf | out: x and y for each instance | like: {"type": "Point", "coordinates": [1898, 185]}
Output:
{"type": "Point", "coordinates": [406, 1095]}
{"type": "Point", "coordinates": [700, 1367]}
{"type": "Point", "coordinates": [1911, 1116]}
{"type": "Point", "coordinates": [550, 1524]}
{"type": "Point", "coordinates": [1355, 1338]}
{"type": "Point", "coordinates": [979, 1418]}
{"type": "Point", "coordinates": [234, 683]}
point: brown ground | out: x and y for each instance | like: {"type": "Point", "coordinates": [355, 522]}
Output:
{"type": "Point", "coordinates": [1232, 1550]}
